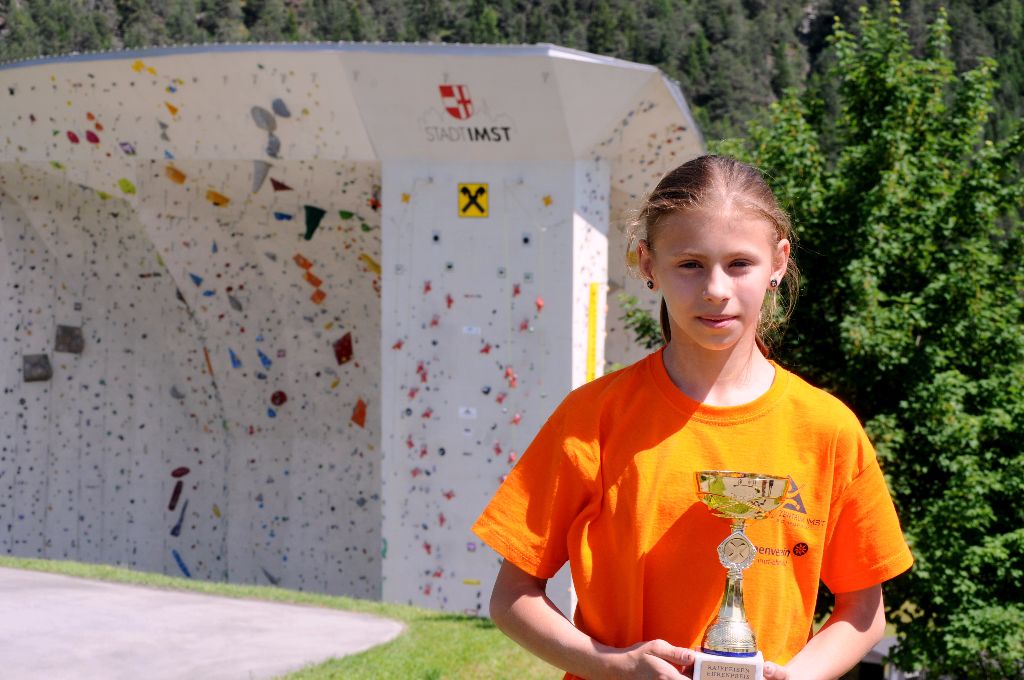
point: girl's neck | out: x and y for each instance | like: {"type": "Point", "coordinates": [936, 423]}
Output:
{"type": "Point", "coordinates": [730, 377]}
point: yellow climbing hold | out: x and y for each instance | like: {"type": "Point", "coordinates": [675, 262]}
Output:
{"type": "Point", "coordinates": [217, 199]}
{"type": "Point", "coordinates": [138, 66]}
{"type": "Point", "coordinates": [216, 510]}
{"type": "Point", "coordinates": [405, 198]}
{"type": "Point", "coordinates": [126, 186]}
{"type": "Point", "coordinates": [57, 164]}
{"type": "Point", "coordinates": [103, 195]}
{"type": "Point", "coordinates": [371, 263]}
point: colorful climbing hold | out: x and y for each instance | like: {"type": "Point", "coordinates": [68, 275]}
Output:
{"type": "Point", "coordinates": [359, 413]}
{"type": "Point", "coordinates": [73, 137]}
{"type": "Point", "coordinates": [92, 137]}
{"type": "Point", "coordinates": [343, 349]}
{"type": "Point", "coordinates": [264, 359]}
{"type": "Point", "coordinates": [314, 216]}
{"type": "Point", "coordinates": [181, 563]}
{"type": "Point", "coordinates": [318, 296]}
{"type": "Point", "coordinates": [279, 186]}
{"type": "Point", "coordinates": [371, 263]}
{"type": "Point", "coordinates": [302, 261]}
{"type": "Point", "coordinates": [217, 198]}
{"type": "Point", "coordinates": [175, 175]}
{"type": "Point", "coordinates": [235, 361]}
{"type": "Point", "coordinates": [180, 472]}
{"type": "Point", "coordinates": [196, 279]}
{"type": "Point", "coordinates": [175, 495]}
{"type": "Point", "coordinates": [126, 186]}
{"type": "Point", "coordinates": [278, 398]}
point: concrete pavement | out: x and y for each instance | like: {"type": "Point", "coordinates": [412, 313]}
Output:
{"type": "Point", "coordinates": [65, 628]}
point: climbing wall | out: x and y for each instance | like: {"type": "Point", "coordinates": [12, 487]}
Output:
{"type": "Point", "coordinates": [486, 330]}
{"type": "Point", "coordinates": [288, 314]}
{"type": "Point", "coordinates": [220, 418]}
{"type": "Point", "coordinates": [645, 147]}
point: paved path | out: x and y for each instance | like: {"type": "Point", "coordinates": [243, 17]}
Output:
{"type": "Point", "coordinates": [57, 627]}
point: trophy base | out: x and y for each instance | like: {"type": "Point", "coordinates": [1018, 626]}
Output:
{"type": "Point", "coordinates": [720, 667]}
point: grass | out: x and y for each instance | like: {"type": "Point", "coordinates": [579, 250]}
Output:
{"type": "Point", "coordinates": [434, 645]}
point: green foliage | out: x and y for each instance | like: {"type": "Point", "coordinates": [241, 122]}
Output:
{"type": "Point", "coordinates": [732, 57]}
{"type": "Point", "coordinates": [644, 328]}
{"type": "Point", "coordinates": [913, 312]}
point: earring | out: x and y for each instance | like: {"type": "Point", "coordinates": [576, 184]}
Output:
{"type": "Point", "coordinates": [650, 284]}
{"type": "Point", "coordinates": [774, 283]}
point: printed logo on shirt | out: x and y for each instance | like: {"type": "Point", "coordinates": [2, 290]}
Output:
{"type": "Point", "coordinates": [800, 549]}
{"type": "Point", "coordinates": [795, 503]}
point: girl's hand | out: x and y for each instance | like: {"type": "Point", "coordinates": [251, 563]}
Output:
{"type": "Point", "coordinates": [773, 671]}
{"type": "Point", "coordinates": [655, 660]}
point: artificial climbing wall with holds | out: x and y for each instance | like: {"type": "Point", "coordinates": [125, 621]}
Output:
{"type": "Point", "coordinates": [287, 314]}
{"type": "Point", "coordinates": [486, 328]}
{"type": "Point", "coordinates": [221, 418]}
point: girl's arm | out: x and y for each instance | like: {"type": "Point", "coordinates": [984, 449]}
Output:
{"type": "Point", "coordinates": [856, 625]}
{"type": "Point", "coordinates": [522, 610]}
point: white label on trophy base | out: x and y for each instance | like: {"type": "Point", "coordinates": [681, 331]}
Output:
{"type": "Point", "coordinates": [713, 667]}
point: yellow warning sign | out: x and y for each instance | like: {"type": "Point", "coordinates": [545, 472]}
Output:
{"type": "Point", "coordinates": [472, 200]}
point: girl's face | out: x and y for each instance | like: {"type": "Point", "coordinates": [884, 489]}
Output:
{"type": "Point", "coordinates": [713, 268]}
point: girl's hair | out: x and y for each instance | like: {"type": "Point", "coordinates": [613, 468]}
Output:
{"type": "Point", "coordinates": [709, 182]}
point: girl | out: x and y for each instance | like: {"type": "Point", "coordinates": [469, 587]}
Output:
{"type": "Point", "coordinates": [608, 483]}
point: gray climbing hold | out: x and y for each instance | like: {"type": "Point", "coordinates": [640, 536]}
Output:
{"type": "Point", "coordinates": [280, 108]}
{"type": "Point", "coordinates": [36, 367]}
{"type": "Point", "coordinates": [176, 393]}
{"type": "Point", "coordinates": [264, 119]}
{"type": "Point", "coordinates": [273, 146]}
{"type": "Point", "coordinates": [69, 339]}
{"type": "Point", "coordinates": [235, 304]}
{"type": "Point", "coordinates": [259, 174]}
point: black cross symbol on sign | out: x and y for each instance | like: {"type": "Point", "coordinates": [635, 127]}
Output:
{"type": "Point", "coordinates": [473, 196]}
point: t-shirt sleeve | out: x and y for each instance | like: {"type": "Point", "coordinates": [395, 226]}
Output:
{"type": "Point", "coordinates": [528, 520]}
{"type": "Point", "coordinates": [865, 545]}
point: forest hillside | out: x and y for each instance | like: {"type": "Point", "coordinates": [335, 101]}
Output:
{"type": "Point", "coordinates": [731, 57]}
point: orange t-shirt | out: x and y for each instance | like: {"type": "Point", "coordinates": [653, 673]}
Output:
{"type": "Point", "coordinates": [608, 484]}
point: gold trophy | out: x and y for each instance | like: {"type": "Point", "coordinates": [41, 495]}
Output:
{"type": "Point", "coordinates": [729, 650]}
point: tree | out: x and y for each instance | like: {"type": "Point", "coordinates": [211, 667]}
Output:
{"type": "Point", "coordinates": [913, 313]}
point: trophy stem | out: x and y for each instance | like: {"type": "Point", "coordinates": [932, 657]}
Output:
{"type": "Point", "coordinates": [732, 599]}
{"type": "Point", "coordinates": [731, 634]}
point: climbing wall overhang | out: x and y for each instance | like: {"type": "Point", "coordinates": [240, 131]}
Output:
{"type": "Point", "coordinates": [326, 296]}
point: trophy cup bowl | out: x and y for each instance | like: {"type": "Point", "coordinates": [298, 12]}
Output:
{"type": "Point", "coordinates": [741, 495]}
{"type": "Point", "coordinates": [729, 649]}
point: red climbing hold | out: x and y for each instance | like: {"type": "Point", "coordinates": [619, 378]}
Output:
{"type": "Point", "coordinates": [73, 137]}
{"type": "Point", "coordinates": [359, 413]}
{"type": "Point", "coordinates": [180, 472]}
{"type": "Point", "coordinates": [278, 398]}
{"type": "Point", "coordinates": [343, 349]}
